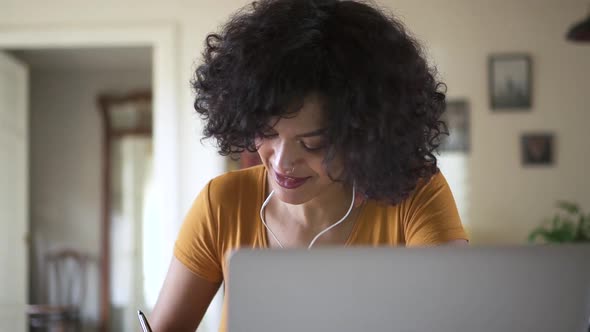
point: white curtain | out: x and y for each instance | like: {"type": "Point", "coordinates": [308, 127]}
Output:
{"type": "Point", "coordinates": [131, 176]}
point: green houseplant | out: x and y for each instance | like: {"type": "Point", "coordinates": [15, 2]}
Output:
{"type": "Point", "coordinates": [568, 225]}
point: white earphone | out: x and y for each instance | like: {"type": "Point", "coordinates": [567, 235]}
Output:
{"type": "Point", "coordinates": [267, 200]}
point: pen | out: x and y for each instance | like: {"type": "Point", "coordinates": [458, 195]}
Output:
{"type": "Point", "coordinates": [145, 326]}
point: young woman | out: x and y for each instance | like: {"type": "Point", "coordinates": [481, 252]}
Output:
{"type": "Point", "coordinates": [337, 99]}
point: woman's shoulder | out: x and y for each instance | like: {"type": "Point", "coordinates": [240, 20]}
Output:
{"type": "Point", "coordinates": [431, 196]}
{"type": "Point", "coordinates": [434, 183]}
{"type": "Point", "coordinates": [235, 184]}
{"type": "Point", "coordinates": [434, 189]}
{"type": "Point", "coordinates": [424, 188]}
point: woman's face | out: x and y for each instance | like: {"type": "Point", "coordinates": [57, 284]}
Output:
{"type": "Point", "coordinates": [293, 152]}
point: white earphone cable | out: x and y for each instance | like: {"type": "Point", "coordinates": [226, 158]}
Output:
{"type": "Point", "coordinates": [267, 200]}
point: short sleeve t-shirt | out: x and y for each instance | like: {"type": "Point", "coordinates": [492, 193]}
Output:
{"type": "Point", "coordinates": [225, 217]}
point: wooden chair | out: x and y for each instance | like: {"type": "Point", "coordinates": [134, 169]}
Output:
{"type": "Point", "coordinates": [68, 286]}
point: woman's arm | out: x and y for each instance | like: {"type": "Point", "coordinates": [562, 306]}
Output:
{"type": "Point", "coordinates": [183, 300]}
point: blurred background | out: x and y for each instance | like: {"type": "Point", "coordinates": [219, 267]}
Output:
{"type": "Point", "coordinates": [100, 151]}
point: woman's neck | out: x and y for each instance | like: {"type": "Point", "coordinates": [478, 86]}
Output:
{"type": "Point", "coordinates": [318, 213]}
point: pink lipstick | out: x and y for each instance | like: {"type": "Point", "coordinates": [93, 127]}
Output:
{"type": "Point", "coordinates": [289, 182]}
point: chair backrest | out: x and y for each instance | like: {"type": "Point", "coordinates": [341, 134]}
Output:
{"type": "Point", "coordinates": [67, 277]}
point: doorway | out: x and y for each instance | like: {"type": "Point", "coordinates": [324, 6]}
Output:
{"type": "Point", "coordinates": [159, 43]}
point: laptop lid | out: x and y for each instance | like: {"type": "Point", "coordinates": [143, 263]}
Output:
{"type": "Point", "coordinates": [443, 289]}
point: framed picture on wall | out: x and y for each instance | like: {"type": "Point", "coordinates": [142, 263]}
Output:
{"type": "Point", "coordinates": [457, 118]}
{"type": "Point", "coordinates": [538, 149]}
{"type": "Point", "coordinates": [510, 82]}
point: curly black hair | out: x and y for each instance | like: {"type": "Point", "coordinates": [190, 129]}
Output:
{"type": "Point", "coordinates": [381, 100]}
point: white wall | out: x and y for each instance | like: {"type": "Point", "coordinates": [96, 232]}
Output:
{"type": "Point", "coordinates": [506, 200]}
{"type": "Point", "coordinates": [65, 149]}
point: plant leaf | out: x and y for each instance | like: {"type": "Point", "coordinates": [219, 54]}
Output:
{"type": "Point", "coordinates": [573, 226]}
{"type": "Point", "coordinates": [539, 232]}
{"type": "Point", "coordinates": [571, 208]}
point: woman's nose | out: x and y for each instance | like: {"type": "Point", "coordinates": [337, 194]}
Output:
{"type": "Point", "coordinates": [285, 157]}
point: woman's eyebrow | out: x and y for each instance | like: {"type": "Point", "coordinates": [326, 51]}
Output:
{"type": "Point", "coordinates": [317, 132]}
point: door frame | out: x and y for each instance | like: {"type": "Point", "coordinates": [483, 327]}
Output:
{"type": "Point", "coordinates": [162, 38]}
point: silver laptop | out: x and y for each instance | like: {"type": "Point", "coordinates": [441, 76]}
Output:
{"type": "Point", "coordinates": [443, 289]}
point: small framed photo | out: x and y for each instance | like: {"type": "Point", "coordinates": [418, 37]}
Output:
{"type": "Point", "coordinates": [510, 82]}
{"type": "Point", "coordinates": [457, 118]}
{"type": "Point", "coordinates": [538, 149]}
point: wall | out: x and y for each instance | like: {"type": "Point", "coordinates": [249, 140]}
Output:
{"type": "Point", "coordinates": [506, 201]}
{"type": "Point", "coordinates": [65, 149]}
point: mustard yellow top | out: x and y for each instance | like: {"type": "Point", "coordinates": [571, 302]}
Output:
{"type": "Point", "coordinates": [225, 216]}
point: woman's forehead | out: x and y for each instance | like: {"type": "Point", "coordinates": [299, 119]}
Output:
{"type": "Point", "coordinates": [300, 125]}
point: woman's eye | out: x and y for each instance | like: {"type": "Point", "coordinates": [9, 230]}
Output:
{"type": "Point", "coordinates": [313, 147]}
{"type": "Point", "coordinates": [269, 135]}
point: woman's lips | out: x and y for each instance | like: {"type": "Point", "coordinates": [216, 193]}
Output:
{"type": "Point", "coordinates": [289, 182]}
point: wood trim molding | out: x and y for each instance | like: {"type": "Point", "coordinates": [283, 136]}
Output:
{"type": "Point", "coordinates": [105, 102]}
